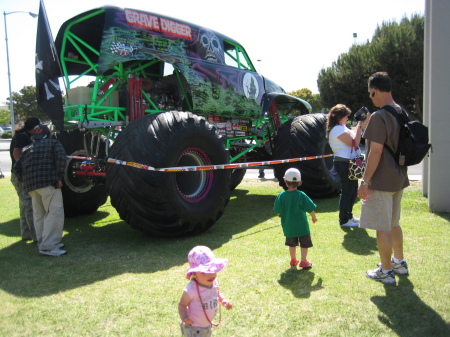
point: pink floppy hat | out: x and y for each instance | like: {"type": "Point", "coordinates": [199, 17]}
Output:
{"type": "Point", "coordinates": [201, 259]}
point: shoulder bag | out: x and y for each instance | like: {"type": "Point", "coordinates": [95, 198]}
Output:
{"type": "Point", "coordinates": [357, 165]}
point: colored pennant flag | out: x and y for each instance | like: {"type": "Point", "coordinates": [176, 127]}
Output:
{"type": "Point", "coordinates": [49, 96]}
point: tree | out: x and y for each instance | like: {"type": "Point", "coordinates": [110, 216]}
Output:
{"type": "Point", "coordinates": [307, 95]}
{"type": "Point", "coordinates": [396, 48]}
{"type": "Point", "coordinates": [25, 104]}
{"type": "Point", "coordinates": [5, 116]}
{"type": "Point", "coordinates": [400, 49]}
{"type": "Point", "coordinates": [346, 81]}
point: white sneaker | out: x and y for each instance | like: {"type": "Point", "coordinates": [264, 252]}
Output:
{"type": "Point", "coordinates": [350, 223]}
{"type": "Point", "coordinates": [398, 268]}
{"type": "Point", "coordinates": [378, 275]}
{"type": "Point", "coordinates": [355, 220]}
{"type": "Point", "coordinates": [53, 252]}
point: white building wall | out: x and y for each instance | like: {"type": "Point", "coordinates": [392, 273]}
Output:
{"type": "Point", "coordinates": [436, 174]}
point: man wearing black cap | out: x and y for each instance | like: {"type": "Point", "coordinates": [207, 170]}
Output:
{"type": "Point", "coordinates": [41, 168]}
{"type": "Point", "coordinates": [22, 138]}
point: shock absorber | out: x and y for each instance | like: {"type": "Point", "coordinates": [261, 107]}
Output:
{"type": "Point", "coordinates": [105, 86]}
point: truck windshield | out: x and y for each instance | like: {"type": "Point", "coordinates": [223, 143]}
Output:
{"type": "Point", "coordinates": [236, 57]}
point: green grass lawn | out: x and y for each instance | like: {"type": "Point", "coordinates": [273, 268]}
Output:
{"type": "Point", "coordinates": [115, 281]}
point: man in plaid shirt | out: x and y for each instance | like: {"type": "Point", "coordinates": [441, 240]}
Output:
{"type": "Point", "coordinates": [41, 168]}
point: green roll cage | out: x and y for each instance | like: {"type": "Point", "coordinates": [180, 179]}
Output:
{"type": "Point", "coordinates": [101, 116]}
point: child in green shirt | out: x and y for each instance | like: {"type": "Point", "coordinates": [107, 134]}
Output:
{"type": "Point", "coordinates": [291, 205]}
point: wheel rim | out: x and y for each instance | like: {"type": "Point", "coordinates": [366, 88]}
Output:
{"type": "Point", "coordinates": [75, 183]}
{"type": "Point", "coordinates": [194, 186]}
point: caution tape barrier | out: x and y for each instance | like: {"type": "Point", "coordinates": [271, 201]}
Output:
{"type": "Point", "coordinates": [211, 167]}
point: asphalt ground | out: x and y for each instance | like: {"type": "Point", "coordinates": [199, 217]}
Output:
{"type": "Point", "coordinates": [414, 172]}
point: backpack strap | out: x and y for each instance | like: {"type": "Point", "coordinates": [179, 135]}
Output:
{"type": "Point", "coordinates": [401, 118]}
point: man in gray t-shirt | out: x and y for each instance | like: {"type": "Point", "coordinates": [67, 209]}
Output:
{"type": "Point", "coordinates": [381, 188]}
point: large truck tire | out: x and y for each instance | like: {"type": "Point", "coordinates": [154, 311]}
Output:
{"type": "Point", "coordinates": [237, 176]}
{"type": "Point", "coordinates": [304, 136]}
{"type": "Point", "coordinates": [81, 194]}
{"type": "Point", "coordinates": [169, 204]}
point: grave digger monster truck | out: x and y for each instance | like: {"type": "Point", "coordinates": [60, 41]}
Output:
{"type": "Point", "coordinates": [168, 93]}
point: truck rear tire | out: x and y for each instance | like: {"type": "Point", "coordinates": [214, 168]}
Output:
{"type": "Point", "coordinates": [304, 136]}
{"type": "Point", "coordinates": [237, 176]}
{"type": "Point", "coordinates": [81, 194]}
{"type": "Point", "coordinates": [169, 204]}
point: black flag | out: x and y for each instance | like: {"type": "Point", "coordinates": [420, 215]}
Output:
{"type": "Point", "coordinates": [49, 97]}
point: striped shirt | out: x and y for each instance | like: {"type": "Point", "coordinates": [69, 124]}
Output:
{"type": "Point", "coordinates": [41, 164]}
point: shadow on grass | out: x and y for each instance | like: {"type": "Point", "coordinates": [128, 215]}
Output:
{"type": "Point", "coordinates": [355, 240]}
{"type": "Point", "coordinates": [299, 281]}
{"type": "Point", "coordinates": [10, 228]}
{"type": "Point", "coordinates": [445, 216]}
{"type": "Point", "coordinates": [101, 246]}
{"type": "Point", "coordinates": [406, 314]}
{"type": "Point", "coordinates": [358, 241]}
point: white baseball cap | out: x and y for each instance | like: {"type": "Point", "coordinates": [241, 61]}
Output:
{"type": "Point", "coordinates": [292, 175]}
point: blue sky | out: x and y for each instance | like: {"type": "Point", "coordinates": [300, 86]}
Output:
{"type": "Point", "coordinates": [294, 39]}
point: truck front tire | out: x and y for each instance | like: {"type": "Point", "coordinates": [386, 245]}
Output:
{"type": "Point", "coordinates": [169, 204]}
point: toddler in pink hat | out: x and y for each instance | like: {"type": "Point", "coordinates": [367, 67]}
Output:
{"type": "Point", "coordinates": [201, 297]}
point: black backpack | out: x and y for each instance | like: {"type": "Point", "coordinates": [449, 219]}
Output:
{"type": "Point", "coordinates": [412, 142]}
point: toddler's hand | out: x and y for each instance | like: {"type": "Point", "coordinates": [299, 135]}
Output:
{"type": "Point", "coordinates": [314, 220]}
{"type": "Point", "coordinates": [187, 321]}
{"type": "Point", "coordinates": [227, 304]}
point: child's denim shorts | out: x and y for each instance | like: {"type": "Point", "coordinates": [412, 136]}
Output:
{"type": "Point", "coordinates": [195, 331]}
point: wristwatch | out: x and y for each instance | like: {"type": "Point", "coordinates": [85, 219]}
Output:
{"type": "Point", "coordinates": [364, 183]}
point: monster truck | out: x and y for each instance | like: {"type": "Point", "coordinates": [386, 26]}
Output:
{"type": "Point", "coordinates": [153, 91]}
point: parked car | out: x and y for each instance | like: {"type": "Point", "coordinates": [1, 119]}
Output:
{"type": "Point", "coordinates": [2, 131]}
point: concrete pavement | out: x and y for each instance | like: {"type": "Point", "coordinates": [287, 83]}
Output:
{"type": "Point", "coordinates": [5, 159]}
